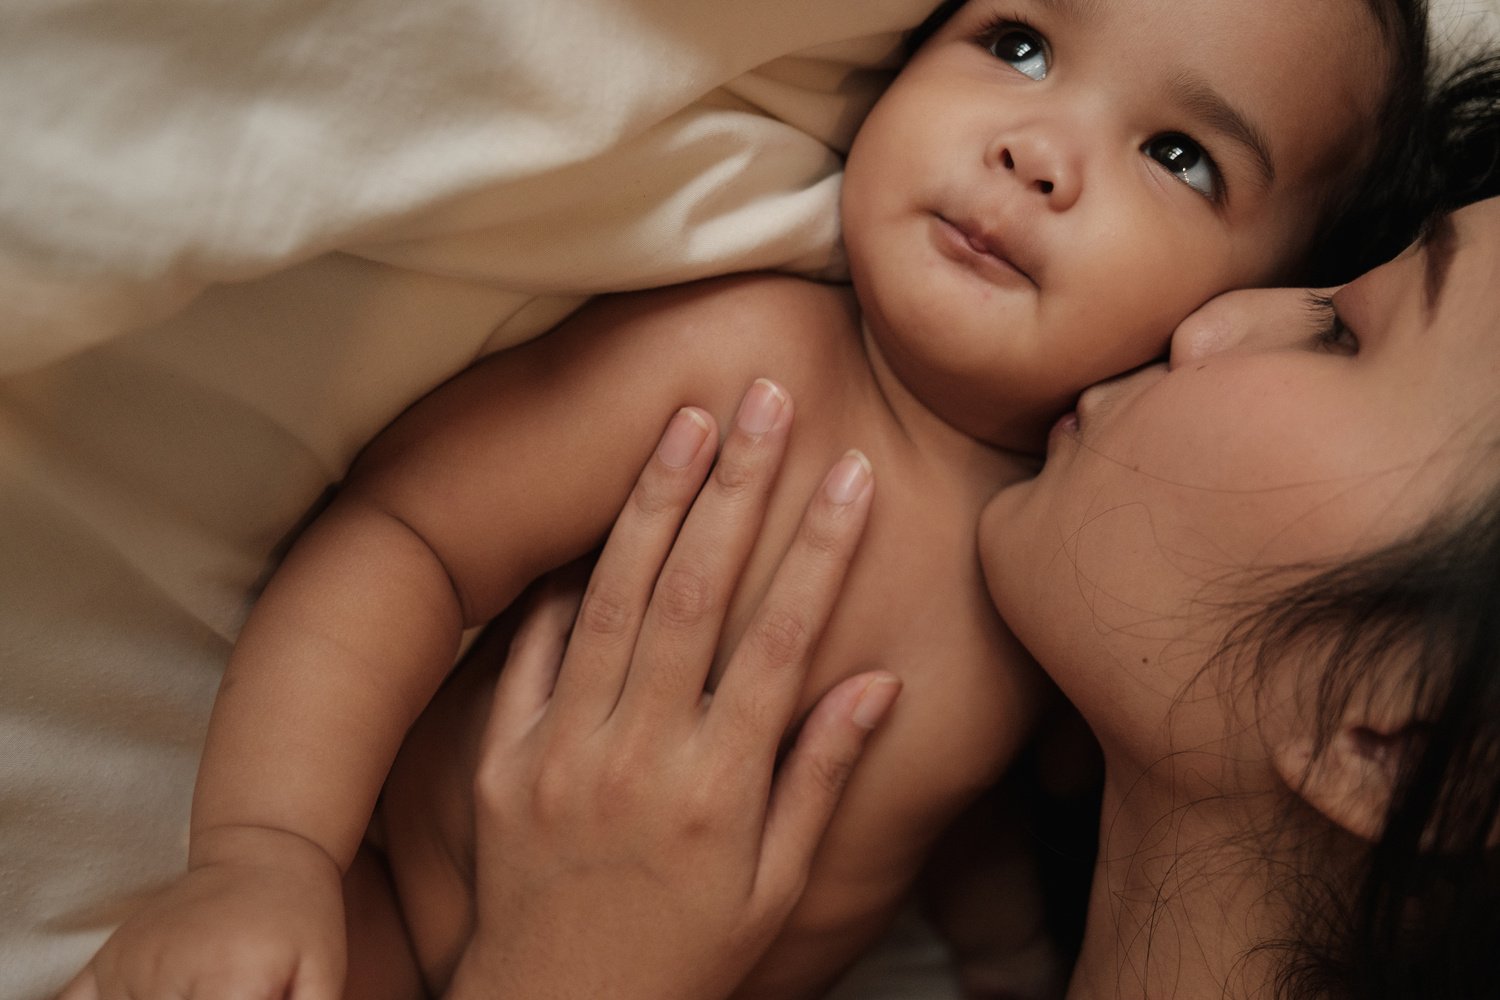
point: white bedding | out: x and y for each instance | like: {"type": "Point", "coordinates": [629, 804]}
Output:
{"type": "Point", "coordinates": [236, 237]}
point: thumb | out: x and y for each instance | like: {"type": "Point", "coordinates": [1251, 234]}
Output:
{"type": "Point", "coordinates": [84, 986]}
{"type": "Point", "coordinates": [811, 781]}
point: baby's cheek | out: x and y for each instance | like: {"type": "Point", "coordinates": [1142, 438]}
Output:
{"type": "Point", "coordinates": [1126, 338]}
{"type": "Point", "coordinates": [1131, 319]}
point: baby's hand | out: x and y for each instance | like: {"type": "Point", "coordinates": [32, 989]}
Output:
{"type": "Point", "coordinates": [256, 925]}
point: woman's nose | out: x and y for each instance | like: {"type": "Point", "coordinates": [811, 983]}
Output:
{"type": "Point", "coordinates": [1256, 319]}
{"type": "Point", "coordinates": [1043, 163]}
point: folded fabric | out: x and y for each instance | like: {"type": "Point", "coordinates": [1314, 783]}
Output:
{"type": "Point", "coordinates": [235, 240]}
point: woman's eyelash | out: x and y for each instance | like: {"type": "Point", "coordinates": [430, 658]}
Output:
{"type": "Point", "coordinates": [1333, 335]}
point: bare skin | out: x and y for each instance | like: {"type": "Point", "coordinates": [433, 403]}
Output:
{"type": "Point", "coordinates": [951, 653]}
{"type": "Point", "coordinates": [1013, 236]}
{"type": "Point", "coordinates": [1191, 881]}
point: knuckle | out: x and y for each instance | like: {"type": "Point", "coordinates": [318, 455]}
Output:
{"type": "Point", "coordinates": [620, 785]}
{"type": "Point", "coordinates": [552, 792]}
{"type": "Point", "coordinates": [489, 781]}
{"type": "Point", "coordinates": [737, 476]}
{"type": "Point", "coordinates": [780, 636]}
{"type": "Point", "coordinates": [703, 810]}
{"type": "Point", "coordinates": [606, 613]}
{"type": "Point", "coordinates": [696, 826]}
{"type": "Point", "coordinates": [654, 497]}
{"type": "Point", "coordinates": [684, 596]}
{"type": "Point", "coordinates": [822, 535]}
{"type": "Point", "coordinates": [832, 773]}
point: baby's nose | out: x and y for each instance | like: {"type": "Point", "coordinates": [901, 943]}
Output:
{"type": "Point", "coordinates": [1044, 164]}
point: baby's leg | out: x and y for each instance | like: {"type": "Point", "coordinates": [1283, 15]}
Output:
{"type": "Point", "coordinates": [984, 891]}
{"type": "Point", "coordinates": [1008, 883]}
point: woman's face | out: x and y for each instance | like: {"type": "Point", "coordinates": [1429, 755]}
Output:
{"type": "Point", "coordinates": [1270, 438]}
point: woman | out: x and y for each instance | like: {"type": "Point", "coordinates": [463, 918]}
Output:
{"type": "Point", "coordinates": [1264, 570]}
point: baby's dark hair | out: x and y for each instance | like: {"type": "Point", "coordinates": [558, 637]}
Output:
{"type": "Point", "coordinates": [1379, 210]}
{"type": "Point", "coordinates": [1434, 152]}
{"type": "Point", "coordinates": [1422, 915]}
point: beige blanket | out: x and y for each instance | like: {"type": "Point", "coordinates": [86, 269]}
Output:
{"type": "Point", "coordinates": [237, 237]}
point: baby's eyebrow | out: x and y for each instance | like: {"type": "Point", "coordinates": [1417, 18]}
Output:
{"type": "Point", "coordinates": [1079, 10]}
{"type": "Point", "coordinates": [1214, 110]}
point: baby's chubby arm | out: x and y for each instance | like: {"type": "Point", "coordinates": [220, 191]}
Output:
{"type": "Point", "coordinates": [514, 467]}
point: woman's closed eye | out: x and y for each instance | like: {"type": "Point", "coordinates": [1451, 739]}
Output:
{"type": "Point", "coordinates": [1333, 334]}
{"type": "Point", "coordinates": [1183, 158]}
{"type": "Point", "coordinates": [1017, 45]}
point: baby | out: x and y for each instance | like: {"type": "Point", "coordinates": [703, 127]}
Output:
{"type": "Point", "coordinates": [1046, 189]}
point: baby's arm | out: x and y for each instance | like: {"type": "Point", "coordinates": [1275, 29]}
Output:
{"type": "Point", "coordinates": [514, 467]}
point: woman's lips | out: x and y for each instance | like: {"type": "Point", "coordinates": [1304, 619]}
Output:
{"type": "Point", "coordinates": [1111, 392]}
{"type": "Point", "coordinates": [1065, 426]}
{"type": "Point", "coordinates": [983, 254]}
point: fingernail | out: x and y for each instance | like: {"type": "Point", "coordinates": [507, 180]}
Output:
{"type": "Point", "coordinates": [848, 479]}
{"type": "Point", "coordinates": [875, 701]}
{"type": "Point", "coordinates": [760, 407]}
{"type": "Point", "coordinates": [684, 436]}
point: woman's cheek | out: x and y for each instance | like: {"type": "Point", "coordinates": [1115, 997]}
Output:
{"type": "Point", "coordinates": [1096, 547]}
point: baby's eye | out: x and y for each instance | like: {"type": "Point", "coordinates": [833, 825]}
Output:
{"type": "Point", "coordinates": [1333, 335]}
{"type": "Point", "coordinates": [1020, 47]}
{"type": "Point", "coordinates": [1187, 160]}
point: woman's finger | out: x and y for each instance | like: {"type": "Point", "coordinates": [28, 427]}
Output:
{"type": "Point", "coordinates": [691, 597]}
{"type": "Point", "coordinates": [614, 604]}
{"type": "Point", "coordinates": [536, 653]}
{"type": "Point", "coordinates": [813, 777]}
{"type": "Point", "coordinates": [761, 684]}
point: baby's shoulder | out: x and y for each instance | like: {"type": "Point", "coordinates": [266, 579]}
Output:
{"type": "Point", "coordinates": [761, 317]}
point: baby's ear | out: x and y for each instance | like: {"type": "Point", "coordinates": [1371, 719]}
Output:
{"type": "Point", "coordinates": [1352, 779]}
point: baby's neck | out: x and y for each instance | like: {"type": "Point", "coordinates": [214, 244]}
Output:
{"type": "Point", "coordinates": [1182, 898]}
{"type": "Point", "coordinates": [918, 421]}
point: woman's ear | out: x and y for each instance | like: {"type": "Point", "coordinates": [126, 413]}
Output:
{"type": "Point", "coordinates": [1350, 780]}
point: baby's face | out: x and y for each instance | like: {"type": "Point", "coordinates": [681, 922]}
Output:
{"type": "Point", "coordinates": [1050, 186]}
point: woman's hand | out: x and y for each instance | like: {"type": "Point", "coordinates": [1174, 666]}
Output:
{"type": "Point", "coordinates": [636, 837]}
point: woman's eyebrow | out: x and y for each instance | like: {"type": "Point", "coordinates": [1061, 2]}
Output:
{"type": "Point", "coordinates": [1438, 244]}
{"type": "Point", "coordinates": [1209, 106]}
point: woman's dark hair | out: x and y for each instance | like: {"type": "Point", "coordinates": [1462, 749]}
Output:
{"type": "Point", "coordinates": [1423, 916]}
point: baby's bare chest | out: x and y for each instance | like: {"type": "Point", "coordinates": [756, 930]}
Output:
{"type": "Point", "coordinates": [914, 603]}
